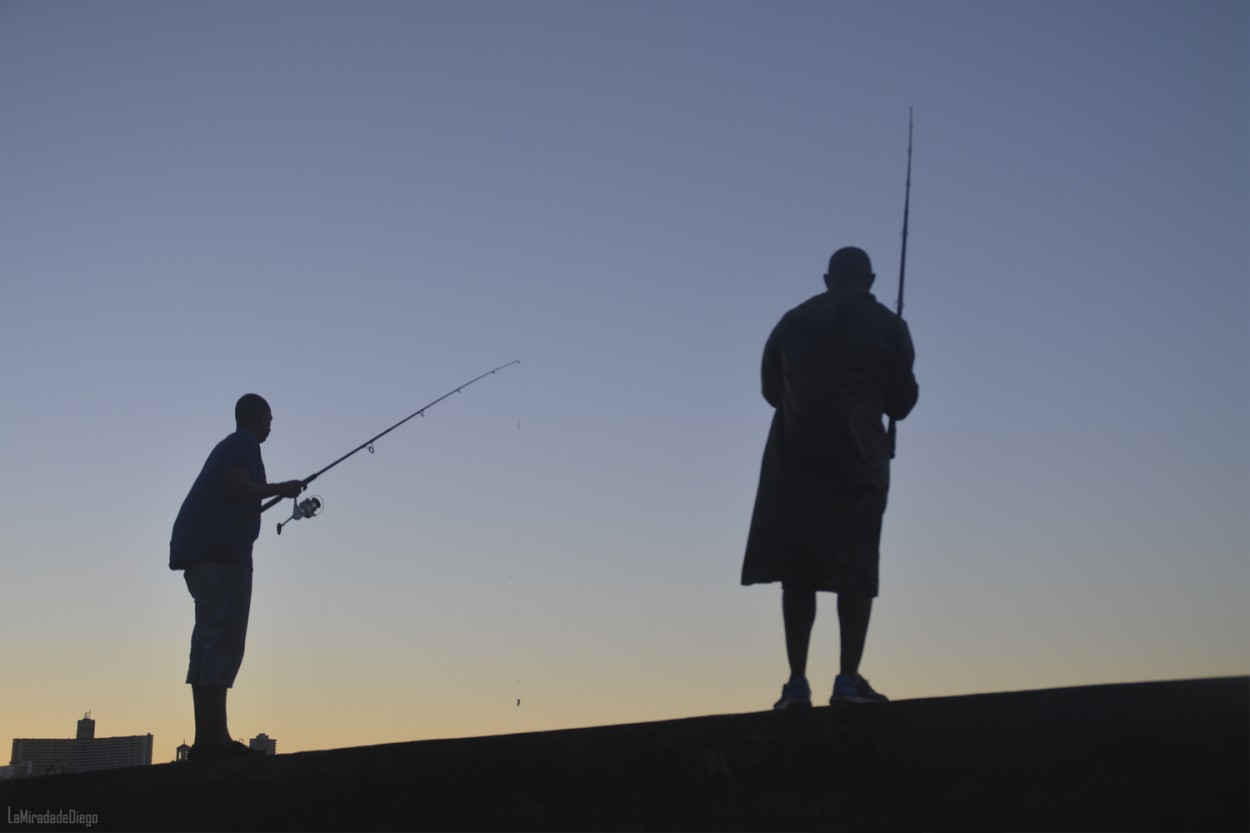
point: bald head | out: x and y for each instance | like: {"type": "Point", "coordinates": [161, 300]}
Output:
{"type": "Point", "coordinates": [252, 414]}
{"type": "Point", "coordinates": [849, 268]}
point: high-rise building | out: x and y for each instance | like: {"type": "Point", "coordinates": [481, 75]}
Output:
{"type": "Point", "coordinates": [83, 753]}
{"type": "Point", "coordinates": [264, 743]}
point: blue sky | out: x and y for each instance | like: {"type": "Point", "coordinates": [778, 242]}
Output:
{"type": "Point", "coordinates": [351, 208]}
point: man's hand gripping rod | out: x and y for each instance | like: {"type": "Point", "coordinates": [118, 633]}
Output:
{"type": "Point", "coordinates": [310, 507]}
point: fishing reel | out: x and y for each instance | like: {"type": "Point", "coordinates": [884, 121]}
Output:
{"type": "Point", "coordinates": [309, 507]}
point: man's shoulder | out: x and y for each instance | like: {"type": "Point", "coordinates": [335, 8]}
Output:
{"type": "Point", "coordinates": [857, 314]}
{"type": "Point", "coordinates": [881, 312]}
{"type": "Point", "coordinates": [816, 302]}
{"type": "Point", "coordinates": [815, 306]}
{"type": "Point", "coordinates": [240, 439]}
{"type": "Point", "coordinates": [239, 447]}
{"type": "Point", "coordinates": [833, 303]}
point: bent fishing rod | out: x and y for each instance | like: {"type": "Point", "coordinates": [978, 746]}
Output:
{"type": "Point", "coordinates": [902, 261]}
{"type": "Point", "coordinates": [310, 507]}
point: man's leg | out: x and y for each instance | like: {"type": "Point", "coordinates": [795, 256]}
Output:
{"type": "Point", "coordinates": [798, 610]}
{"type": "Point", "coordinates": [853, 615]}
{"type": "Point", "coordinates": [201, 715]}
{"type": "Point", "coordinates": [210, 715]}
{"type": "Point", "coordinates": [222, 596]}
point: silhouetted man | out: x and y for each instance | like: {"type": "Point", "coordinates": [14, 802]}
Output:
{"type": "Point", "coordinates": [212, 542]}
{"type": "Point", "coordinates": [832, 367]}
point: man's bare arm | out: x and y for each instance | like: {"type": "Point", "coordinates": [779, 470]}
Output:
{"type": "Point", "coordinates": [239, 487]}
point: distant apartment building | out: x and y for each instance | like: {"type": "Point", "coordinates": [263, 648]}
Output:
{"type": "Point", "coordinates": [83, 753]}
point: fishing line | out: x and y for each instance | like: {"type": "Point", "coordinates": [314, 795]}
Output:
{"type": "Point", "coordinates": [515, 513]}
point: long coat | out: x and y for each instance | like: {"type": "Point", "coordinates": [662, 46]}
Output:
{"type": "Point", "coordinates": [833, 366]}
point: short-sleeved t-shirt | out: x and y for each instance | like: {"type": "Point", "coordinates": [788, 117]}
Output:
{"type": "Point", "coordinates": [210, 529]}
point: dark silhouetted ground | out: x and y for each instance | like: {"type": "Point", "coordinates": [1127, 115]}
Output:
{"type": "Point", "coordinates": [1152, 756]}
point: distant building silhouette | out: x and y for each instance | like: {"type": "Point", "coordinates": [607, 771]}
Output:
{"type": "Point", "coordinates": [182, 753]}
{"type": "Point", "coordinates": [264, 743]}
{"type": "Point", "coordinates": [83, 753]}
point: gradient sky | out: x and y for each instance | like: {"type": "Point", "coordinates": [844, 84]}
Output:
{"type": "Point", "coordinates": [351, 208]}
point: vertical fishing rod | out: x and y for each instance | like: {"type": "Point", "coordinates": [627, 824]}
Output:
{"type": "Point", "coordinates": [902, 261]}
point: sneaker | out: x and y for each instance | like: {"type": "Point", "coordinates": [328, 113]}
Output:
{"type": "Point", "coordinates": [233, 749]}
{"type": "Point", "coordinates": [796, 694]}
{"type": "Point", "coordinates": [848, 689]}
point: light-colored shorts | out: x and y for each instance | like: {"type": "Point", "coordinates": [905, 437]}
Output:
{"type": "Point", "coordinates": [223, 599]}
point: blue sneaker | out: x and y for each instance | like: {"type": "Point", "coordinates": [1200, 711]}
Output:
{"type": "Point", "coordinates": [796, 694]}
{"type": "Point", "coordinates": [848, 689]}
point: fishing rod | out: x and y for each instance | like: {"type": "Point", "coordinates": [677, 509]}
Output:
{"type": "Point", "coordinates": [902, 261]}
{"type": "Point", "coordinates": [310, 507]}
